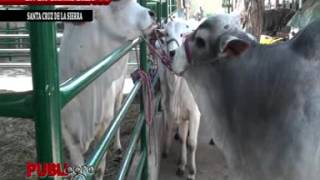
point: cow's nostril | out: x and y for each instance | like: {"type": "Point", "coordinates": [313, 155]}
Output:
{"type": "Point", "coordinates": [151, 13]}
{"type": "Point", "coordinates": [172, 53]}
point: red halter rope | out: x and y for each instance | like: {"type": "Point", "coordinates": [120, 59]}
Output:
{"type": "Point", "coordinates": [159, 53]}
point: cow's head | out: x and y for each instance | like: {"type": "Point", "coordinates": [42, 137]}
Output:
{"type": "Point", "coordinates": [129, 19]}
{"type": "Point", "coordinates": [175, 32]}
{"type": "Point", "coordinates": [218, 37]}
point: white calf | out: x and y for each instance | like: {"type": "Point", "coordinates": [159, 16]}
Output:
{"type": "Point", "coordinates": [87, 116]}
{"type": "Point", "coordinates": [179, 106]}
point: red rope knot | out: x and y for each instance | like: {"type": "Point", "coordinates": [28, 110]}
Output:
{"type": "Point", "coordinates": [160, 52]}
{"type": "Point", "coordinates": [147, 93]}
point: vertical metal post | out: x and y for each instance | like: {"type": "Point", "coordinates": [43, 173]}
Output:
{"type": "Point", "coordinates": [144, 133]}
{"type": "Point", "coordinates": [159, 12]}
{"type": "Point", "coordinates": [165, 10]}
{"type": "Point", "coordinates": [45, 76]}
{"type": "Point", "coordinates": [171, 6]}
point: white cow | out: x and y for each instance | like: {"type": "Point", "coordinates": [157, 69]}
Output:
{"type": "Point", "coordinates": [179, 107]}
{"type": "Point", "coordinates": [263, 101]}
{"type": "Point", "coordinates": [87, 116]}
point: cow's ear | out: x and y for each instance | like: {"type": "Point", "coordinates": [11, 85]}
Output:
{"type": "Point", "coordinates": [232, 46]}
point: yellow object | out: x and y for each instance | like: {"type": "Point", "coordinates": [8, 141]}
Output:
{"type": "Point", "coordinates": [264, 39]}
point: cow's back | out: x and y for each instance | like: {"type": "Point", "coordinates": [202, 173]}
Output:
{"type": "Point", "coordinates": [271, 100]}
{"type": "Point", "coordinates": [307, 42]}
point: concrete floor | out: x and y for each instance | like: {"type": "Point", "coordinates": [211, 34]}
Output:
{"type": "Point", "coordinates": [210, 162]}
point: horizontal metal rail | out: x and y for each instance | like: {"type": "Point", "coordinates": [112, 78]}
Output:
{"type": "Point", "coordinates": [75, 85]}
{"type": "Point", "coordinates": [15, 42]}
{"type": "Point", "coordinates": [26, 50]}
{"type": "Point", "coordinates": [17, 104]}
{"type": "Point", "coordinates": [20, 51]}
{"type": "Point", "coordinates": [59, 35]}
{"type": "Point", "coordinates": [13, 51]}
{"type": "Point", "coordinates": [14, 31]}
{"type": "Point", "coordinates": [15, 65]}
{"type": "Point", "coordinates": [18, 30]}
{"type": "Point", "coordinates": [28, 65]}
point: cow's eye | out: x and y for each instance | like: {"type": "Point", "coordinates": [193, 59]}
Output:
{"type": "Point", "coordinates": [200, 43]}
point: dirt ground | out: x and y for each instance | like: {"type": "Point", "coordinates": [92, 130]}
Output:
{"type": "Point", "coordinates": [17, 146]}
{"type": "Point", "coordinates": [210, 162]}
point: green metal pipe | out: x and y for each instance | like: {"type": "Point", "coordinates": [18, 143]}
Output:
{"type": "Point", "coordinates": [125, 164]}
{"type": "Point", "coordinates": [144, 133]}
{"type": "Point", "coordinates": [165, 10]}
{"type": "Point", "coordinates": [159, 12]}
{"type": "Point", "coordinates": [105, 141]}
{"type": "Point", "coordinates": [75, 85]}
{"type": "Point", "coordinates": [18, 104]}
{"type": "Point", "coordinates": [46, 91]}
{"type": "Point", "coordinates": [141, 165]}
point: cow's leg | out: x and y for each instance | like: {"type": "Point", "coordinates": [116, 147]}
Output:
{"type": "Point", "coordinates": [99, 173]}
{"type": "Point", "coordinates": [183, 130]}
{"type": "Point", "coordinates": [117, 144]}
{"type": "Point", "coordinates": [74, 148]}
{"type": "Point", "coordinates": [212, 143]}
{"type": "Point", "coordinates": [176, 135]}
{"type": "Point", "coordinates": [118, 103]}
{"type": "Point", "coordinates": [170, 128]}
{"type": "Point", "coordinates": [192, 142]}
{"type": "Point", "coordinates": [166, 117]}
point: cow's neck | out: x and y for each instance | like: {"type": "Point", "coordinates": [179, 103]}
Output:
{"type": "Point", "coordinates": [105, 18]}
{"type": "Point", "coordinates": [203, 85]}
